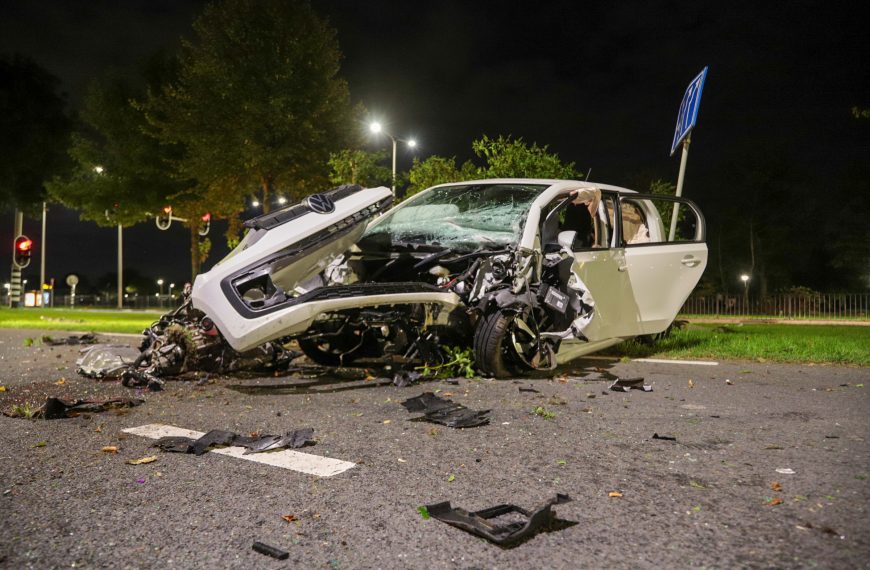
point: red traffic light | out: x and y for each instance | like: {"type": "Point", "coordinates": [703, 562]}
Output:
{"type": "Point", "coordinates": [21, 251]}
{"type": "Point", "coordinates": [23, 244]}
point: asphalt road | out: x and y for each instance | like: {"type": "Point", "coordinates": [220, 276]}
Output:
{"type": "Point", "coordinates": [704, 500]}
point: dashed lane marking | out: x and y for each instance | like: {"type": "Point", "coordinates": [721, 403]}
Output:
{"type": "Point", "coordinates": [660, 361]}
{"type": "Point", "coordinates": [285, 458]}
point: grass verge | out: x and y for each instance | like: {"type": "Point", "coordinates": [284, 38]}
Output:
{"type": "Point", "coordinates": [93, 320]}
{"type": "Point", "coordinates": [829, 344]}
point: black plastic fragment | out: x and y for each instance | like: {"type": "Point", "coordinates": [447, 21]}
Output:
{"type": "Point", "coordinates": [445, 412]}
{"type": "Point", "coordinates": [664, 437]}
{"type": "Point", "coordinates": [271, 551]}
{"type": "Point", "coordinates": [626, 384]}
{"type": "Point", "coordinates": [55, 408]}
{"type": "Point", "coordinates": [292, 440]}
{"type": "Point", "coordinates": [480, 523]}
{"type": "Point", "coordinates": [87, 338]}
{"type": "Point", "coordinates": [529, 390]}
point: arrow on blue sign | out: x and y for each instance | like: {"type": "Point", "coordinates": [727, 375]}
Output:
{"type": "Point", "coordinates": [688, 115]}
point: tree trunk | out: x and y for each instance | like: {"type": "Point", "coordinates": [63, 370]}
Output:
{"type": "Point", "coordinates": [195, 259]}
{"type": "Point", "coordinates": [266, 187]}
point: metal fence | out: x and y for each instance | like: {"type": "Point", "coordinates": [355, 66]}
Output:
{"type": "Point", "coordinates": [819, 306]}
{"type": "Point", "coordinates": [140, 302]}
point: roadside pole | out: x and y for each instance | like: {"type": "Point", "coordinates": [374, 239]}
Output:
{"type": "Point", "coordinates": [120, 266]}
{"type": "Point", "coordinates": [680, 178]}
{"type": "Point", "coordinates": [42, 262]}
{"type": "Point", "coordinates": [687, 118]}
{"type": "Point", "coordinates": [15, 282]}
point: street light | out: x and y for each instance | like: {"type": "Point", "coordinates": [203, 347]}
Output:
{"type": "Point", "coordinates": [160, 294]}
{"type": "Point", "coordinates": [376, 128]}
{"type": "Point", "coordinates": [171, 286]}
{"type": "Point", "coordinates": [255, 203]}
{"type": "Point", "coordinates": [745, 278]}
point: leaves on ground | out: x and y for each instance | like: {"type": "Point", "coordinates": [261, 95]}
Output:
{"type": "Point", "coordinates": [290, 518]}
{"type": "Point", "coordinates": [451, 478]}
{"type": "Point", "coordinates": [543, 412]}
{"type": "Point", "coordinates": [40, 444]}
{"type": "Point", "coordinates": [614, 494]}
{"type": "Point", "coordinates": [776, 486]}
{"type": "Point", "coordinates": [424, 512]}
{"type": "Point", "coordinates": [141, 460]}
{"type": "Point", "coordinates": [696, 485]}
{"type": "Point", "coordinates": [773, 502]}
{"type": "Point", "coordinates": [110, 449]}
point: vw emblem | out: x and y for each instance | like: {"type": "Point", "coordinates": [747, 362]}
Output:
{"type": "Point", "coordinates": [320, 204]}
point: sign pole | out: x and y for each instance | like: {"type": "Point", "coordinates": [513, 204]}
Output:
{"type": "Point", "coordinates": [680, 177]}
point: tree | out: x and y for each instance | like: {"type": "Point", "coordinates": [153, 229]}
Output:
{"type": "Point", "coordinates": [360, 167]}
{"type": "Point", "coordinates": [438, 170]}
{"type": "Point", "coordinates": [503, 157]}
{"type": "Point", "coordinates": [121, 174]}
{"type": "Point", "coordinates": [34, 132]}
{"type": "Point", "coordinates": [258, 104]}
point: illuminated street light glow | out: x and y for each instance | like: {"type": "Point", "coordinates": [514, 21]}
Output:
{"type": "Point", "coordinates": [255, 203]}
{"type": "Point", "coordinates": [282, 200]}
{"type": "Point", "coordinates": [412, 143]}
{"type": "Point", "coordinates": [375, 127]}
{"type": "Point", "coordinates": [99, 169]}
{"type": "Point", "coordinates": [744, 278]}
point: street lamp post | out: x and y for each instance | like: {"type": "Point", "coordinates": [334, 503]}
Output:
{"type": "Point", "coordinates": [745, 278]}
{"type": "Point", "coordinates": [171, 286]}
{"type": "Point", "coordinates": [376, 128]}
{"type": "Point", "coordinates": [160, 294]}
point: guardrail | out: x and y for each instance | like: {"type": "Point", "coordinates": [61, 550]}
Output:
{"type": "Point", "coordinates": [818, 306]}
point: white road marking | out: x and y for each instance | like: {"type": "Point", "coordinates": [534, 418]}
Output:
{"type": "Point", "coordinates": [660, 361]}
{"type": "Point", "coordinates": [286, 458]}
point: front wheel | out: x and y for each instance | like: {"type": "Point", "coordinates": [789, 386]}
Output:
{"type": "Point", "coordinates": [503, 347]}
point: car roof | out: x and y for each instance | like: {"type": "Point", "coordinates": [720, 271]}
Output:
{"type": "Point", "coordinates": [548, 181]}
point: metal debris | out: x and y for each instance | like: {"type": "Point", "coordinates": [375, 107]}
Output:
{"type": "Point", "coordinates": [445, 412]}
{"type": "Point", "coordinates": [403, 378]}
{"type": "Point", "coordinates": [254, 444]}
{"type": "Point", "coordinates": [55, 408]}
{"type": "Point", "coordinates": [480, 522]}
{"type": "Point", "coordinates": [626, 384]}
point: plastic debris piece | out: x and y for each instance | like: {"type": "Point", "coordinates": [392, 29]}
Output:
{"type": "Point", "coordinates": [55, 408]}
{"type": "Point", "coordinates": [521, 389]}
{"type": "Point", "coordinates": [143, 460]}
{"type": "Point", "coordinates": [664, 437]}
{"type": "Point", "coordinates": [254, 444]}
{"type": "Point", "coordinates": [271, 551]}
{"type": "Point", "coordinates": [445, 412]}
{"type": "Point", "coordinates": [481, 523]}
{"type": "Point", "coordinates": [626, 384]}
{"type": "Point", "coordinates": [106, 360]}
{"type": "Point", "coordinates": [87, 338]}
{"type": "Point", "coordinates": [785, 471]}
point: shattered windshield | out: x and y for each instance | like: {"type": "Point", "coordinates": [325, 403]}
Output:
{"type": "Point", "coordinates": [463, 218]}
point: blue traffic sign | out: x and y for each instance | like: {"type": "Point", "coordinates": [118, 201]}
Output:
{"type": "Point", "coordinates": [688, 115]}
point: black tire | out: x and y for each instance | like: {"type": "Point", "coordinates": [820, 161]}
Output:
{"type": "Point", "coordinates": [491, 345]}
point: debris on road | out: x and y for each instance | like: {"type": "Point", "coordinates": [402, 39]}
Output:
{"type": "Point", "coordinates": [254, 444]}
{"type": "Point", "coordinates": [106, 360]}
{"type": "Point", "coordinates": [55, 408]}
{"type": "Point", "coordinates": [626, 384]}
{"type": "Point", "coordinates": [532, 390]}
{"type": "Point", "coordinates": [614, 494]}
{"type": "Point", "coordinates": [776, 486]}
{"type": "Point", "coordinates": [271, 551]}
{"type": "Point", "coordinates": [445, 412]}
{"type": "Point", "coordinates": [142, 460]}
{"type": "Point", "coordinates": [785, 471]}
{"type": "Point", "coordinates": [664, 437]}
{"type": "Point", "coordinates": [110, 449]}
{"type": "Point", "coordinates": [87, 338]}
{"type": "Point", "coordinates": [403, 378]}
{"type": "Point", "coordinates": [480, 523]}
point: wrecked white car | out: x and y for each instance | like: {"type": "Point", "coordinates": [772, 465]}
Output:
{"type": "Point", "coordinates": [530, 273]}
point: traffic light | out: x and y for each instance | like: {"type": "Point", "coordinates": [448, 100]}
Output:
{"type": "Point", "coordinates": [22, 251]}
{"type": "Point", "coordinates": [206, 224]}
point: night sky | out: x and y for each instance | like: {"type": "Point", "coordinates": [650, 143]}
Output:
{"type": "Point", "coordinates": [599, 82]}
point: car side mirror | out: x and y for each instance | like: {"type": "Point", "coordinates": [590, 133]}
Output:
{"type": "Point", "coordinates": [566, 240]}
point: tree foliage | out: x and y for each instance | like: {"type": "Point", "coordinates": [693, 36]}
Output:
{"type": "Point", "coordinates": [360, 167]}
{"type": "Point", "coordinates": [34, 132]}
{"type": "Point", "coordinates": [258, 102]}
{"type": "Point", "coordinates": [121, 174]}
{"type": "Point", "coordinates": [503, 157]}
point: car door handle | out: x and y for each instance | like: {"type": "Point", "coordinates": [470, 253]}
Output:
{"type": "Point", "coordinates": [690, 261]}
